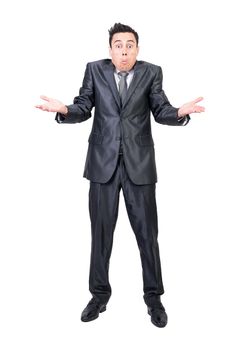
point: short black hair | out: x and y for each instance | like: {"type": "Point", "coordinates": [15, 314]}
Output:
{"type": "Point", "coordinates": [122, 28]}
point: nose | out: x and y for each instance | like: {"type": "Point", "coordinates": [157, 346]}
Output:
{"type": "Point", "coordinates": [124, 53]}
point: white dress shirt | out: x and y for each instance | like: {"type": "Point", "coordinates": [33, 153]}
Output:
{"type": "Point", "coordinates": [129, 77]}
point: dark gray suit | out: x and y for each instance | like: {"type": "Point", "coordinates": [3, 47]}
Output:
{"type": "Point", "coordinates": [131, 123]}
{"type": "Point", "coordinates": [134, 171]}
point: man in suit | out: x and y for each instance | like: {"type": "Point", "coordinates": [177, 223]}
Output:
{"type": "Point", "coordinates": [120, 155]}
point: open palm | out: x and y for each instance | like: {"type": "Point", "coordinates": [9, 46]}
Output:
{"type": "Point", "coordinates": [191, 107]}
{"type": "Point", "coordinates": [52, 105]}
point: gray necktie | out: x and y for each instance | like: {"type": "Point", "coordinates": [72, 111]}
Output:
{"type": "Point", "coordinates": [123, 87]}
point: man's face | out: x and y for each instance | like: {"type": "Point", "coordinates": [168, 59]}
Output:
{"type": "Point", "coordinates": [123, 51]}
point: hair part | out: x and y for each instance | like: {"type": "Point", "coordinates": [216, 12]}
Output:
{"type": "Point", "coordinates": [122, 28]}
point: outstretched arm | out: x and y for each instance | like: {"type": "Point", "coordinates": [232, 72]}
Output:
{"type": "Point", "coordinates": [82, 105]}
{"type": "Point", "coordinates": [164, 112]}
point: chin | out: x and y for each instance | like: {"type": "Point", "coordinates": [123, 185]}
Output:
{"type": "Point", "coordinates": [126, 66]}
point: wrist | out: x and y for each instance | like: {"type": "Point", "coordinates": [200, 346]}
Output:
{"type": "Point", "coordinates": [179, 114]}
{"type": "Point", "coordinates": [64, 110]}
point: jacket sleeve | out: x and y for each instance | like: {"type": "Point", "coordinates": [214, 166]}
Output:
{"type": "Point", "coordinates": [163, 111]}
{"type": "Point", "coordinates": [82, 105]}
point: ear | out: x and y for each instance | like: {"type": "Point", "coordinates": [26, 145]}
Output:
{"type": "Point", "coordinates": [138, 49]}
{"type": "Point", "coordinates": [110, 51]}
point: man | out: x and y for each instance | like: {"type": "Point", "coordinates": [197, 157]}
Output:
{"type": "Point", "coordinates": [124, 92]}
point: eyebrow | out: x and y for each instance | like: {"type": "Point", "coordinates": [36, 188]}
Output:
{"type": "Point", "coordinates": [128, 41]}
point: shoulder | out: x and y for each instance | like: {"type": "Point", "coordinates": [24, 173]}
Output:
{"type": "Point", "coordinates": [99, 63]}
{"type": "Point", "coordinates": [150, 66]}
{"type": "Point", "coordinates": [151, 69]}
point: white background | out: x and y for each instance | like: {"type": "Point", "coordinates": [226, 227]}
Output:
{"type": "Point", "coordinates": [45, 228]}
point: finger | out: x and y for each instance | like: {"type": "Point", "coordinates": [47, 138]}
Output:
{"type": "Point", "coordinates": [197, 100]}
{"type": "Point", "coordinates": [43, 97]}
{"type": "Point", "coordinates": [198, 109]}
{"type": "Point", "coordinates": [201, 109]}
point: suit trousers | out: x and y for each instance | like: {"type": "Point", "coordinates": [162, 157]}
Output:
{"type": "Point", "coordinates": [142, 212]}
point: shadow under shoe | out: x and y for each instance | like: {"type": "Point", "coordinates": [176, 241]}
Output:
{"type": "Point", "coordinates": [92, 310]}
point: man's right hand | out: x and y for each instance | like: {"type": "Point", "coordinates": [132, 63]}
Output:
{"type": "Point", "coordinates": [52, 105]}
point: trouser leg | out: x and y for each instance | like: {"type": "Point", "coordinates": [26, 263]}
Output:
{"type": "Point", "coordinates": [142, 212]}
{"type": "Point", "coordinates": [103, 209]}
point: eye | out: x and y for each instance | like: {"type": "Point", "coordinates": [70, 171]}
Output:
{"type": "Point", "coordinates": [129, 46]}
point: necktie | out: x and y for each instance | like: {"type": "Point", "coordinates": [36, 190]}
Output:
{"type": "Point", "coordinates": [123, 87]}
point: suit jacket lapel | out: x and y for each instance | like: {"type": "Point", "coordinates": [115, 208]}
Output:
{"type": "Point", "coordinates": [109, 75]}
{"type": "Point", "coordinates": [139, 71]}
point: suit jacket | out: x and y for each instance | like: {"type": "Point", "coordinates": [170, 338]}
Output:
{"type": "Point", "coordinates": [129, 124]}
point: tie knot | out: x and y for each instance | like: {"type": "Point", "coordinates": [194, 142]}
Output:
{"type": "Point", "coordinates": [123, 74]}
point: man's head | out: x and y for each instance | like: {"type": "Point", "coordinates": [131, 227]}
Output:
{"type": "Point", "coordinates": [123, 48]}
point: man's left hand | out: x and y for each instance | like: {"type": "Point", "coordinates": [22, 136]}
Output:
{"type": "Point", "coordinates": [191, 107]}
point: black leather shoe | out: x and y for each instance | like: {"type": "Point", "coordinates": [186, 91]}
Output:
{"type": "Point", "coordinates": [92, 310]}
{"type": "Point", "coordinates": [158, 315]}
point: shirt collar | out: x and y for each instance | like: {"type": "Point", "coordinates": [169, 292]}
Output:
{"type": "Point", "coordinates": [128, 71]}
